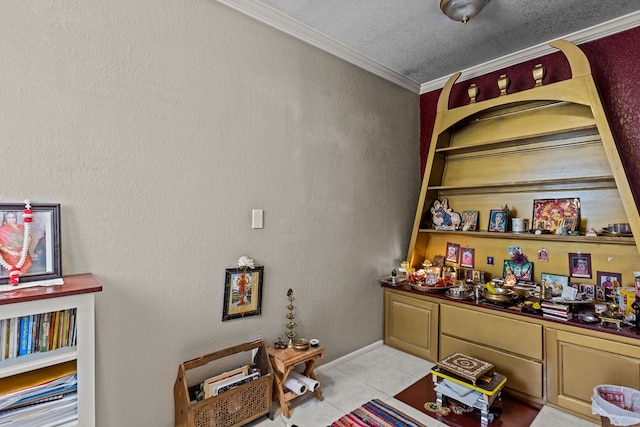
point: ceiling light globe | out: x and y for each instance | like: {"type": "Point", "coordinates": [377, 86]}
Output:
{"type": "Point", "coordinates": [462, 10]}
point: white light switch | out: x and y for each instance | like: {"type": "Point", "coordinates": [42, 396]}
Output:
{"type": "Point", "coordinates": [256, 218]}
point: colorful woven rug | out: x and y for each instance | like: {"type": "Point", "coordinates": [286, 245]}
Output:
{"type": "Point", "coordinates": [376, 413]}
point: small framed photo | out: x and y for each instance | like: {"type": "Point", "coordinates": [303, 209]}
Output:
{"type": "Point", "coordinates": [453, 252]}
{"type": "Point", "coordinates": [555, 279]}
{"type": "Point", "coordinates": [570, 224]}
{"type": "Point", "coordinates": [242, 292]}
{"type": "Point", "coordinates": [580, 265]}
{"type": "Point", "coordinates": [512, 249]}
{"type": "Point", "coordinates": [543, 255]}
{"type": "Point", "coordinates": [42, 260]}
{"type": "Point", "coordinates": [601, 293]}
{"type": "Point", "coordinates": [477, 276]}
{"type": "Point", "coordinates": [606, 279]}
{"type": "Point", "coordinates": [469, 220]}
{"type": "Point", "coordinates": [522, 271]}
{"type": "Point", "coordinates": [588, 289]}
{"type": "Point", "coordinates": [467, 257]}
{"type": "Point", "coordinates": [497, 221]}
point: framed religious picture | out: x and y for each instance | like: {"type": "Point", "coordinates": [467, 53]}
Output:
{"type": "Point", "coordinates": [469, 220]}
{"type": "Point", "coordinates": [522, 271]}
{"type": "Point", "coordinates": [555, 279]}
{"type": "Point", "coordinates": [242, 292]}
{"type": "Point", "coordinates": [37, 258]}
{"type": "Point", "coordinates": [453, 252]}
{"type": "Point", "coordinates": [607, 281]}
{"type": "Point", "coordinates": [467, 256]}
{"type": "Point", "coordinates": [580, 265]}
{"type": "Point", "coordinates": [497, 221]}
{"type": "Point", "coordinates": [549, 214]}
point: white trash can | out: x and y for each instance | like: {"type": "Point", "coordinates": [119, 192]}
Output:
{"type": "Point", "coordinates": [616, 405]}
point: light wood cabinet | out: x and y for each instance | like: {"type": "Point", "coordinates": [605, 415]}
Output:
{"type": "Point", "coordinates": [514, 346]}
{"type": "Point", "coordinates": [411, 324]}
{"type": "Point", "coordinates": [576, 363]}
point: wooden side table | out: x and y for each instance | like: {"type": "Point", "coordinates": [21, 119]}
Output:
{"type": "Point", "coordinates": [283, 361]}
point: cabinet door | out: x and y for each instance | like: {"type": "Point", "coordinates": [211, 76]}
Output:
{"type": "Point", "coordinates": [576, 364]}
{"type": "Point", "coordinates": [411, 324]}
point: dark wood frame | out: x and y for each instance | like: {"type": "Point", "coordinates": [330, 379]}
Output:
{"type": "Point", "coordinates": [46, 223]}
{"type": "Point", "coordinates": [230, 309]}
{"type": "Point", "coordinates": [573, 258]}
{"type": "Point", "coordinates": [473, 257]}
{"type": "Point", "coordinates": [457, 247]}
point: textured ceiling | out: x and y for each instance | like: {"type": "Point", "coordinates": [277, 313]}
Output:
{"type": "Point", "coordinates": [415, 39]}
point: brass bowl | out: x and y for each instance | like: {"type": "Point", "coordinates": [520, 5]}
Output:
{"type": "Point", "coordinates": [501, 295]}
{"type": "Point", "coordinates": [301, 344]}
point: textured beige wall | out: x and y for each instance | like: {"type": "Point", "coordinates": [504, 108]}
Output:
{"type": "Point", "coordinates": [158, 126]}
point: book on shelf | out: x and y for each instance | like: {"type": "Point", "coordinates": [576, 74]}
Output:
{"type": "Point", "coordinates": [36, 333]}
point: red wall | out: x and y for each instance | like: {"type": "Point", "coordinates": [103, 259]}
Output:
{"type": "Point", "coordinates": [615, 65]}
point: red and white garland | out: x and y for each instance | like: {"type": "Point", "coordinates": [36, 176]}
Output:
{"type": "Point", "coordinates": [14, 270]}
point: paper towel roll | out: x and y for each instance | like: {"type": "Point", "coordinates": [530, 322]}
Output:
{"type": "Point", "coordinates": [295, 385]}
{"type": "Point", "coordinates": [309, 382]}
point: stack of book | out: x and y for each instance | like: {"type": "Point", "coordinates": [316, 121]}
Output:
{"type": "Point", "coordinates": [556, 311]}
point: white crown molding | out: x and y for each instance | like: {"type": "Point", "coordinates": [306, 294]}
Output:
{"type": "Point", "coordinates": [274, 18]}
{"type": "Point", "coordinates": [623, 23]}
{"type": "Point", "coordinates": [279, 21]}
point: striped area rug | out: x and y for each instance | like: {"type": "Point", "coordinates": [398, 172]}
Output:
{"type": "Point", "coordinates": [376, 413]}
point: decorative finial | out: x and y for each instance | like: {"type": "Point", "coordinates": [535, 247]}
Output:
{"type": "Point", "coordinates": [503, 84]}
{"type": "Point", "coordinates": [538, 74]}
{"type": "Point", "coordinates": [473, 93]}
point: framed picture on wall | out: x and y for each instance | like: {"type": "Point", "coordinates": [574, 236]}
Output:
{"type": "Point", "coordinates": [42, 258]}
{"type": "Point", "coordinates": [580, 265]}
{"type": "Point", "coordinates": [453, 252]}
{"type": "Point", "coordinates": [467, 257]}
{"type": "Point", "coordinates": [242, 292]}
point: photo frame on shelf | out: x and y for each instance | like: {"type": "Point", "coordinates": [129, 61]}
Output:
{"type": "Point", "coordinates": [453, 252]}
{"type": "Point", "coordinates": [606, 279]}
{"type": "Point", "coordinates": [467, 257]}
{"type": "Point", "coordinates": [555, 279]}
{"type": "Point", "coordinates": [601, 293]}
{"type": "Point", "coordinates": [497, 221]}
{"type": "Point", "coordinates": [43, 254]}
{"type": "Point", "coordinates": [580, 265]}
{"type": "Point", "coordinates": [470, 220]}
{"type": "Point", "coordinates": [523, 271]}
{"type": "Point", "coordinates": [588, 289]}
{"type": "Point", "coordinates": [242, 292]}
{"type": "Point", "coordinates": [570, 224]}
{"type": "Point", "coordinates": [549, 214]}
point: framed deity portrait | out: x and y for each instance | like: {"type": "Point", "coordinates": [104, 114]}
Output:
{"type": "Point", "coordinates": [38, 258]}
{"type": "Point", "coordinates": [453, 252]}
{"type": "Point", "coordinates": [242, 292]}
{"type": "Point", "coordinates": [497, 221]}
{"type": "Point", "coordinates": [580, 265]}
{"type": "Point", "coordinates": [467, 256]}
{"type": "Point", "coordinates": [522, 271]}
{"type": "Point", "coordinates": [469, 220]}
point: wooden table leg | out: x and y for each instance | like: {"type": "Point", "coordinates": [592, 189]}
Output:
{"type": "Point", "coordinates": [308, 372]}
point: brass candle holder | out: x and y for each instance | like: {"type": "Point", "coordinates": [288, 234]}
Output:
{"type": "Point", "coordinates": [291, 325]}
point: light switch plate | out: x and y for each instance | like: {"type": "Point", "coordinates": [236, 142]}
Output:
{"type": "Point", "coordinates": [256, 218]}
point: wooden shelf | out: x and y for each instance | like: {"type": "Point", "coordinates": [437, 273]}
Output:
{"type": "Point", "coordinates": [574, 183]}
{"type": "Point", "coordinates": [604, 240]}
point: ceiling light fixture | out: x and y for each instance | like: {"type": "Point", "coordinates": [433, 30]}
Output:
{"type": "Point", "coordinates": [462, 10]}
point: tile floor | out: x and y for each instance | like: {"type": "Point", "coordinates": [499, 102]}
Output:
{"type": "Point", "coordinates": [381, 372]}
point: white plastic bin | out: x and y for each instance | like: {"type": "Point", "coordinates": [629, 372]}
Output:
{"type": "Point", "coordinates": [616, 405]}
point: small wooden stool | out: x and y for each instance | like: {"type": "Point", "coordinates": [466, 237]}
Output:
{"type": "Point", "coordinates": [283, 361]}
{"type": "Point", "coordinates": [489, 392]}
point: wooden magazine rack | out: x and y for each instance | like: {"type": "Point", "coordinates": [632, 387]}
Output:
{"type": "Point", "coordinates": [232, 408]}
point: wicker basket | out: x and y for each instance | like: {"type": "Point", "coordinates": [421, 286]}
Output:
{"type": "Point", "coordinates": [232, 408]}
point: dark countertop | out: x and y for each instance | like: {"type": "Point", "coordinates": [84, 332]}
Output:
{"type": "Point", "coordinates": [625, 330]}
